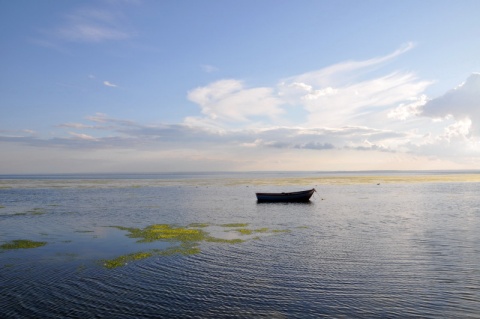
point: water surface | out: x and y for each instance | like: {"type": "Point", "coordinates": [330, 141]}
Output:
{"type": "Point", "coordinates": [367, 245]}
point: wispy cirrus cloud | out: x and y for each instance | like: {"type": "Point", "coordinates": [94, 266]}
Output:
{"type": "Point", "coordinates": [88, 25]}
{"type": "Point", "coordinates": [345, 72]}
{"type": "Point", "coordinates": [343, 94]}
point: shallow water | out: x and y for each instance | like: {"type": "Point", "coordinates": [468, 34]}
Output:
{"type": "Point", "coordinates": [403, 248]}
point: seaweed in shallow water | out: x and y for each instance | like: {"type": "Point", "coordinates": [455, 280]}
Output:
{"type": "Point", "coordinates": [123, 260]}
{"type": "Point", "coordinates": [235, 225]}
{"type": "Point", "coordinates": [184, 249]}
{"type": "Point", "coordinates": [22, 244]}
{"type": "Point", "coordinates": [188, 239]}
{"type": "Point", "coordinates": [165, 232]}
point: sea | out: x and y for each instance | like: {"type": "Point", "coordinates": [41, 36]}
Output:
{"type": "Point", "coordinates": [378, 244]}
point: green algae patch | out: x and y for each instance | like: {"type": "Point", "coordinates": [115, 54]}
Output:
{"type": "Point", "coordinates": [20, 214]}
{"type": "Point", "coordinates": [199, 225]}
{"type": "Point", "coordinates": [33, 212]}
{"type": "Point", "coordinates": [235, 225]}
{"type": "Point", "coordinates": [185, 239]}
{"type": "Point", "coordinates": [280, 231]}
{"type": "Point", "coordinates": [245, 231]}
{"type": "Point", "coordinates": [165, 232]}
{"type": "Point", "coordinates": [225, 241]}
{"type": "Point", "coordinates": [123, 260]}
{"type": "Point", "coordinates": [36, 211]}
{"type": "Point", "coordinates": [22, 244]}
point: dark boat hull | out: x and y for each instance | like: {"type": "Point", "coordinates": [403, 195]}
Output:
{"type": "Point", "coordinates": [302, 196]}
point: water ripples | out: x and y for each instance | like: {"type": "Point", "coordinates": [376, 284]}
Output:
{"type": "Point", "coordinates": [364, 252]}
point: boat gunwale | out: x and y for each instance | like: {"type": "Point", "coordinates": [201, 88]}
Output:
{"type": "Point", "coordinates": [288, 193]}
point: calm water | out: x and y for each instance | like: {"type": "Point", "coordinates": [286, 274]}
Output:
{"type": "Point", "coordinates": [392, 250]}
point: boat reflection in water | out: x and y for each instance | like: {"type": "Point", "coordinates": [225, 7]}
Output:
{"type": "Point", "coordinates": [302, 196]}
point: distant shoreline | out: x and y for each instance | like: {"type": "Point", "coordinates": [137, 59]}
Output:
{"type": "Point", "coordinates": [290, 180]}
{"type": "Point", "coordinates": [201, 174]}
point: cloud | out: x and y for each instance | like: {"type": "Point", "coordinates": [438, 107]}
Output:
{"type": "Point", "coordinates": [405, 111]}
{"type": "Point", "coordinates": [107, 83]}
{"type": "Point", "coordinates": [342, 73]}
{"type": "Point", "coordinates": [209, 68]}
{"type": "Point", "coordinates": [352, 104]}
{"type": "Point", "coordinates": [89, 25]}
{"type": "Point", "coordinates": [338, 114]}
{"type": "Point", "coordinates": [82, 136]}
{"type": "Point", "coordinates": [75, 125]}
{"type": "Point", "coordinates": [125, 134]}
{"type": "Point", "coordinates": [461, 103]}
{"type": "Point", "coordinates": [335, 96]}
{"type": "Point", "coordinates": [344, 109]}
{"type": "Point", "coordinates": [230, 101]}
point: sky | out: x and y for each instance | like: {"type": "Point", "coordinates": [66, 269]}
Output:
{"type": "Point", "coordinates": [254, 85]}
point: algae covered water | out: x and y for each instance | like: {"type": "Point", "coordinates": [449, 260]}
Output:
{"type": "Point", "coordinates": [200, 246]}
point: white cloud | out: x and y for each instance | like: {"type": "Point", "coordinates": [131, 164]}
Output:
{"type": "Point", "coordinates": [331, 97]}
{"type": "Point", "coordinates": [229, 100]}
{"type": "Point", "coordinates": [98, 117]}
{"type": "Point", "coordinates": [335, 96]}
{"type": "Point", "coordinates": [342, 73]}
{"type": "Point", "coordinates": [405, 111]}
{"type": "Point", "coordinates": [459, 129]}
{"type": "Point", "coordinates": [107, 83]}
{"type": "Point", "coordinates": [463, 103]}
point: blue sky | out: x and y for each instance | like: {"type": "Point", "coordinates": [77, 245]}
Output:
{"type": "Point", "coordinates": [152, 86]}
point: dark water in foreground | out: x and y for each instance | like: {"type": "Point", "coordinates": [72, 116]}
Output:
{"type": "Point", "coordinates": [392, 250]}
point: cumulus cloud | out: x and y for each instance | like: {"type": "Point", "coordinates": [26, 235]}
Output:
{"type": "Point", "coordinates": [230, 101]}
{"type": "Point", "coordinates": [408, 110]}
{"type": "Point", "coordinates": [461, 103]}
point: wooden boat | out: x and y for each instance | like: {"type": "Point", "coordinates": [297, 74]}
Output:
{"type": "Point", "coordinates": [302, 196]}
